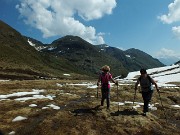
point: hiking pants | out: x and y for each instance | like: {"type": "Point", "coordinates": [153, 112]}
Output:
{"type": "Point", "coordinates": [147, 98]}
{"type": "Point", "coordinates": [105, 95]}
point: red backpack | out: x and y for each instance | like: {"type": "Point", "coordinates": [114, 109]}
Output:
{"type": "Point", "coordinates": [105, 78]}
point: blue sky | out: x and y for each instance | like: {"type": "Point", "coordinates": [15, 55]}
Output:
{"type": "Point", "coordinates": [152, 26]}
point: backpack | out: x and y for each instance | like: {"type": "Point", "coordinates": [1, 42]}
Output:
{"type": "Point", "coordinates": [149, 78]}
{"type": "Point", "coordinates": [105, 78]}
{"type": "Point", "coordinates": [150, 81]}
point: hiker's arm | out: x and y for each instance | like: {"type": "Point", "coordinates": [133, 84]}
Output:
{"type": "Point", "coordinates": [153, 82]}
{"type": "Point", "coordinates": [99, 79]}
{"type": "Point", "coordinates": [136, 84]}
{"type": "Point", "coordinates": [116, 82]}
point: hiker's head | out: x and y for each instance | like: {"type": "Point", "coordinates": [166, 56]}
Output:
{"type": "Point", "coordinates": [143, 71]}
{"type": "Point", "coordinates": [105, 68]}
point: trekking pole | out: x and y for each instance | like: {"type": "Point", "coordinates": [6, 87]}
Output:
{"type": "Point", "coordinates": [97, 94]}
{"type": "Point", "coordinates": [117, 92]}
{"type": "Point", "coordinates": [162, 106]}
{"type": "Point", "coordinates": [134, 98]}
{"type": "Point", "coordinates": [117, 96]}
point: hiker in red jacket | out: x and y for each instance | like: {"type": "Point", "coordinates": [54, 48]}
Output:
{"type": "Point", "coordinates": [105, 77]}
{"type": "Point", "coordinates": [146, 87]}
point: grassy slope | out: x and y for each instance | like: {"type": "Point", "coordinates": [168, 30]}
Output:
{"type": "Point", "coordinates": [20, 60]}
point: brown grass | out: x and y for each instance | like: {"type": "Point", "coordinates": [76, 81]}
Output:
{"type": "Point", "coordinates": [80, 112]}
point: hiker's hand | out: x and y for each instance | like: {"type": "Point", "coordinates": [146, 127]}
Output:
{"type": "Point", "coordinates": [98, 84]}
{"type": "Point", "coordinates": [158, 90]}
{"type": "Point", "coordinates": [116, 82]}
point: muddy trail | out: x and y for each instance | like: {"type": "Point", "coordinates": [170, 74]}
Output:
{"type": "Point", "coordinates": [63, 109]}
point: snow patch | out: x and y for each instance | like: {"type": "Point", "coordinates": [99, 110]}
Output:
{"type": "Point", "coordinates": [54, 107]}
{"type": "Point", "coordinates": [128, 56]}
{"type": "Point", "coordinates": [34, 97]}
{"type": "Point", "coordinates": [32, 105]}
{"type": "Point", "coordinates": [66, 74]}
{"type": "Point", "coordinates": [30, 43]}
{"type": "Point", "coordinates": [51, 48]}
{"type": "Point", "coordinates": [162, 75]}
{"type": "Point", "coordinates": [19, 94]}
{"type": "Point", "coordinates": [136, 106]}
{"type": "Point", "coordinates": [4, 80]}
{"type": "Point", "coordinates": [59, 85]}
{"type": "Point", "coordinates": [12, 133]}
{"type": "Point", "coordinates": [176, 106]}
{"type": "Point", "coordinates": [19, 118]}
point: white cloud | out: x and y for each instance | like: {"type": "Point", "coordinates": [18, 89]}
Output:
{"type": "Point", "coordinates": [57, 17]}
{"type": "Point", "coordinates": [172, 17]}
{"type": "Point", "coordinates": [174, 13]}
{"type": "Point", "coordinates": [176, 31]}
{"type": "Point", "coordinates": [166, 53]}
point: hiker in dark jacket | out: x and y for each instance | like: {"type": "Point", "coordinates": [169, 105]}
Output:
{"type": "Point", "coordinates": [146, 82]}
{"type": "Point", "coordinates": [105, 77]}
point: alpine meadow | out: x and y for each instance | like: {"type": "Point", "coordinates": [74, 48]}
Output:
{"type": "Point", "coordinates": [89, 67]}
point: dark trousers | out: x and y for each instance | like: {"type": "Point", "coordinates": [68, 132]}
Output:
{"type": "Point", "coordinates": [147, 98]}
{"type": "Point", "coordinates": [105, 95]}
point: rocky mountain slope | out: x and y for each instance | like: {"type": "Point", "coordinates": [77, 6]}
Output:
{"type": "Point", "coordinates": [90, 57]}
{"type": "Point", "coordinates": [178, 62]}
{"type": "Point", "coordinates": [25, 57]}
{"type": "Point", "coordinates": [19, 60]}
{"type": "Point", "coordinates": [84, 55]}
{"type": "Point", "coordinates": [132, 59]}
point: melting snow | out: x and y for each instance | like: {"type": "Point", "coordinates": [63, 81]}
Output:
{"type": "Point", "coordinates": [162, 75]}
{"type": "Point", "coordinates": [67, 74]}
{"type": "Point", "coordinates": [19, 94]}
{"type": "Point", "coordinates": [19, 118]}
{"type": "Point", "coordinates": [34, 97]}
{"type": "Point", "coordinates": [59, 85]}
{"type": "Point", "coordinates": [92, 86]}
{"type": "Point", "coordinates": [4, 80]}
{"type": "Point", "coordinates": [137, 104]}
{"type": "Point", "coordinates": [51, 48]}
{"type": "Point", "coordinates": [79, 84]}
{"type": "Point", "coordinates": [12, 133]}
{"type": "Point", "coordinates": [45, 108]}
{"type": "Point", "coordinates": [89, 85]}
{"type": "Point", "coordinates": [52, 106]}
{"type": "Point", "coordinates": [176, 106]}
{"type": "Point", "coordinates": [120, 103]}
{"type": "Point", "coordinates": [30, 43]}
{"type": "Point", "coordinates": [32, 105]}
{"type": "Point", "coordinates": [128, 56]}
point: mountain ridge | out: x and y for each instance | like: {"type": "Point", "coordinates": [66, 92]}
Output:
{"type": "Point", "coordinates": [83, 55]}
{"type": "Point", "coordinates": [19, 60]}
{"type": "Point", "coordinates": [70, 54]}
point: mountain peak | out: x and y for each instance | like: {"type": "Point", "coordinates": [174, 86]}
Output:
{"type": "Point", "coordinates": [70, 39]}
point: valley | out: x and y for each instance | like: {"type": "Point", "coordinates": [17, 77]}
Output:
{"type": "Point", "coordinates": [46, 107]}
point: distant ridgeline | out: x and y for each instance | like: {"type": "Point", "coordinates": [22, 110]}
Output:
{"type": "Point", "coordinates": [178, 62]}
{"type": "Point", "coordinates": [26, 58]}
